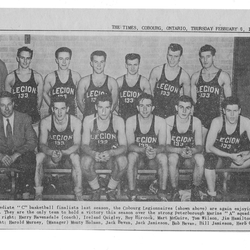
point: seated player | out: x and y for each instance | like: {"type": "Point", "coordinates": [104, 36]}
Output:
{"type": "Point", "coordinates": [104, 146]}
{"type": "Point", "coordinates": [224, 143]}
{"type": "Point", "coordinates": [146, 135]}
{"type": "Point", "coordinates": [184, 145]}
{"type": "Point", "coordinates": [60, 139]}
{"type": "Point", "coordinates": [17, 143]}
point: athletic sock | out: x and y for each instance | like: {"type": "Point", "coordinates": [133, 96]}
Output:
{"type": "Point", "coordinates": [112, 183]}
{"type": "Point", "coordinates": [212, 193]}
{"type": "Point", "coordinates": [94, 184]}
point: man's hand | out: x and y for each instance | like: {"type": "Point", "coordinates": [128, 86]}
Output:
{"type": "Point", "coordinates": [56, 156]}
{"type": "Point", "coordinates": [6, 160]}
{"type": "Point", "coordinates": [105, 156]}
{"type": "Point", "coordinates": [237, 158]}
{"type": "Point", "coordinates": [186, 153]}
{"type": "Point", "coordinates": [14, 156]}
{"type": "Point", "coordinates": [150, 153]}
{"type": "Point", "coordinates": [98, 157]}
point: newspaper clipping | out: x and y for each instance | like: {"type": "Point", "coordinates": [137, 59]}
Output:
{"type": "Point", "coordinates": [96, 151]}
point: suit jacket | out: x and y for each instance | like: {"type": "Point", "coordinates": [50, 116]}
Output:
{"type": "Point", "coordinates": [24, 136]}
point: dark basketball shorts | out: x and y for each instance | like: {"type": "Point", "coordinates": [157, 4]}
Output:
{"type": "Point", "coordinates": [213, 161]}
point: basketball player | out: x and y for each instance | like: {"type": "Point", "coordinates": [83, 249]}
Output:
{"type": "Point", "coordinates": [63, 81]}
{"type": "Point", "coordinates": [168, 82]}
{"type": "Point", "coordinates": [184, 145]}
{"type": "Point", "coordinates": [59, 143]}
{"type": "Point", "coordinates": [146, 135]}
{"type": "Point", "coordinates": [98, 83]}
{"type": "Point", "coordinates": [27, 86]}
{"type": "Point", "coordinates": [104, 146]}
{"type": "Point", "coordinates": [131, 85]}
{"type": "Point", "coordinates": [224, 143]}
{"type": "Point", "coordinates": [208, 86]}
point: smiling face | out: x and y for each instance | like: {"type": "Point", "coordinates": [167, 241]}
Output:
{"type": "Point", "coordinates": [98, 64]}
{"type": "Point", "coordinates": [60, 110]}
{"type": "Point", "coordinates": [63, 60]}
{"type": "Point", "coordinates": [183, 109]}
{"type": "Point", "coordinates": [145, 108]}
{"type": "Point", "coordinates": [103, 109]}
{"type": "Point", "coordinates": [6, 106]}
{"type": "Point", "coordinates": [232, 113]}
{"type": "Point", "coordinates": [206, 59]}
{"type": "Point", "coordinates": [173, 57]}
{"type": "Point", "coordinates": [24, 59]}
{"type": "Point", "coordinates": [132, 66]}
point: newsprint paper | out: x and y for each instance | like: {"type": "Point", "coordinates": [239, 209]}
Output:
{"type": "Point", "coordinates": [148, 33]}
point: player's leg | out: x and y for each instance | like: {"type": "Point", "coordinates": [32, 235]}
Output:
{"type": "Point", "coordinates": [162, 164]}
{"type": "Point", "coordinates": [173, 160]}
{"type": "Point", "coordinates": [88, 170]}
{"type": "Point", "coordinates": [197, 176]}
{"type": "Point", "coordinates": [133, 160]}
{"type": "Point", "coordinates": [119, 166]}
{"type": "Point", "coordinates": [76, 175]}
{"type": "Point", "coordinates": [204, 131]}
{"type": "Point", "coordinates": [40, 157]}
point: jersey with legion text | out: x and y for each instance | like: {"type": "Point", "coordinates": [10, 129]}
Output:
{"type": "Point", "coordinates": [208, 97]}
{"type": "Point", "coordinates": [149, 139]}
{"type": "Point", "coordinates": [166, 93]}
{"type": "Point", "coordinates": [60, 140]}
{"type": "Point", "coordinates": [229, 143]}
{"type": "Point", "coordinates": [67, 90]}
{"type": "Point", "coordinates": [92, 93]}
{"type": "Point", "coordinates": [25, 94]}
{"type": "Point", "coordinates": [128, 96]}
{"type": "Point", "coordinates": [101, 141]}
{"type": "Point", "coordinates": [182, 140]}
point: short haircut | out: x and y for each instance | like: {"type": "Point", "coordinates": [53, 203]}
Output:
{"type": "Point", "coordinates": [185, 98]}
{"type": "Point", "coordinates": [24, 49]}
{"type": "Point", "coordinates": [175, 47]}
{"type": "Point", "coordinates": [231, 100]}
{"type": "Point", "coordinates": [6, 94]}
{"type": "Point", "coordinates": [55, 99]}
{"type": "Point", "coordinates": [206, 48]}
{"type": "Point", "coordinates": [63, 49]}
{"type": "Point", "coordinates": [132, 56]}
{"type": "Point", "coordinates": [145, 96]}
{"type": "Point", "coordinates": [104, 98]}
{"type": "Point", "coordinates": [98, 53]}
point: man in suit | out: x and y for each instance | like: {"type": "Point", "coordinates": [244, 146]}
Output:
{"type": "Point", "coordinates": [17, 143]}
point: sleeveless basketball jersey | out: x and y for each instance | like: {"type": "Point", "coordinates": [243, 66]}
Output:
{"type": "Point", "coordinates": [60, 140]}
{"type": "Point", "coordinates": [128, 97]}
{"type": "Point", "coordinates": [150, 139]}
{"type": "Point", "coordinates": [25, 94]}
{"type": "Point", "coordinates": [92, 93]}
{"type": "Point", "coordinates": [101, 141]}
{"type": "Point", "coordinates": [67, 90]}
{"type": "Point", "coordinates": [182, 140]}
{"type": "Point", "coordinates": [208, 97]}
{"type": "Point", "coordinates": [229, 143]}
{"type": "Point", "coordinates": [166, 93]}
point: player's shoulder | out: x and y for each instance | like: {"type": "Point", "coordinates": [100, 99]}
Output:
{"type": "Point", "coordinates": [131, 120]}
{"type": "Point", "coordinates": [217, 122]}
{"type": "Point", "coordinates": [111, 80]}
{"type": "Point", "coordinates": [157, 69]}
{"type": "Point", "coordinates": [85, 79]}
{"type": "Point", "coordinates": [75, 120]}
{"type": "Point", "coordinates": [196, 119]}
{"type": "Point", "coordinates": [89, 119]}
{"type": "Point", "coordinates": [46, 121]}
{"type": "Point", "coordinates": [196, 75]}
{"type": "Point", "coordinates": [37, 75]}
{"type": "Point", "coordinates": [118, 120]}
{"type": "Point", "coordinates": [244, 120]}
{"type": "Point", "coordinates": [184, 73]}
{"type": "Point", "coordinates": [11, 75]}
{"type": "Point", "coordinates": [50, 76]}
{"type": "Point", "coordinates": [224, 75]}
{"type": "Point", "coordinates": [170, 120]}
{"type": "Point", "coordinates": [143, 79]}
{"type": "Point", "coordinates": [159, 120]}
{"type": "Point", "coordinates": [75, 74]}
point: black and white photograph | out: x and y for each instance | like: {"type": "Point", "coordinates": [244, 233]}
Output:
{"type": "Point", "coordinates": [125, 124]}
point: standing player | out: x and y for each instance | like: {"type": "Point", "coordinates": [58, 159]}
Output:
{"type": "Point", "coordinates": [59, 144]}
{"type": "Point", "coordinates": [98, 83]}
{"type": "Point", "coordinates": [208, 86]}
{"type": "Point", "coordinates": [63, 81]}
{"type": "Point", "coordinates": [168, 81]}
{"type": "Point", "coordinates": [184, 143]}
{"type": "Point", "coordinates": [27, 86]}
{"type": "Point", "coordinates": [131, 86]}
{"type": "Point", "coordinates": [224, 142]}
{"type": "Point", "coordinates": [146, 135]}
{"type": "Point", "coordinates": [104, 145]}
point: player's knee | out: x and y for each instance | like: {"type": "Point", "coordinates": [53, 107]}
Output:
{"type": "Point", "coordinates": [173, 159]}
{"type": "Point", "coordinates": [133, 157]}
{"type": "Point", "coordinates": [40, 158]}
{"type": "Point", "coordinates": [86, 162]}
{"type": "Point", "coordinates": [75, 159]}
{"type": "Point", "coordinates": [162, 159]}
{"type": "Point", "coordinates": [199, 159]}
{"type": "Point", "coordinates": [122, 162]}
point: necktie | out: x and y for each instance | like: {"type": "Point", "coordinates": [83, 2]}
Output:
{"type": "Point", "coordinates": [10, 142]}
